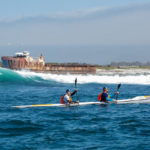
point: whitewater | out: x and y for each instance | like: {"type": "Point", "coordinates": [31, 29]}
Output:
{"type": "Point", "coordinates": [102, 77]}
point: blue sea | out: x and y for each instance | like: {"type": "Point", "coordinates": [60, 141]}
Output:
{"type": "Point", "coordinates": [91, 127]}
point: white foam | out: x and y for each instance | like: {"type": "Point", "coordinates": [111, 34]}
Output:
{"type": "Point", "coordinates": [107, 79]}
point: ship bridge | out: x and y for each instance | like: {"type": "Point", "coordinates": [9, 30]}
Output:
{"type": "Point", "coordinates": [22, 54]}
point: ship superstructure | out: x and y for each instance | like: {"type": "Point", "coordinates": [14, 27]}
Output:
{"type": "Point", "coordinates": [23, 60]}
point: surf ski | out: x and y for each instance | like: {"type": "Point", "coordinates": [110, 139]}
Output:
{"type": "Point", "coordinates": [138, 99]}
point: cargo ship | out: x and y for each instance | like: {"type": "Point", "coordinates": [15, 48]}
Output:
{"type": "Point", "coordinates": [23, 61]}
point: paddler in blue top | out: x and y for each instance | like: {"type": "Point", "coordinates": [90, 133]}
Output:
{"type": "Point", "coordinates": [66, 99]}
{"type": "Point", "coordinates": [105, 97]}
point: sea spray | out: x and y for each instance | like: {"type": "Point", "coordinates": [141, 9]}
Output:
{"type": "Point", "coordinates": [7, 75]}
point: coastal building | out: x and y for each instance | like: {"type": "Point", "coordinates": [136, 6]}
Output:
{"type": "Point", "coordinates": [23, 60]}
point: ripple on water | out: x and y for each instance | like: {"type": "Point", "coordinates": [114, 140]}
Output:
{"type": "Point", "coordinates": [118, 127]}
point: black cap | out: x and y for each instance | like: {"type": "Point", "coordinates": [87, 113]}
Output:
{"type": "Point", "coordinates": [104, 88]}
{"type": "Point", "coordinates": [68, 90]}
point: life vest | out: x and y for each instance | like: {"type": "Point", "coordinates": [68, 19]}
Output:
{"type": "Point", "coordinates": [62, 99]}
{"type": "Point", "coordinates": [70, 99]}
{"type": "Point", "coordinates": [100, 96]}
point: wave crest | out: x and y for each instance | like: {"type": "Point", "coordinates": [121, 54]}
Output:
{"type": "Point", "coordinates": [7, 75]}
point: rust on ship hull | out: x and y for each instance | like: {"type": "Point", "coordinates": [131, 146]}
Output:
{"type": "Point", "coordinates": [22, 61]}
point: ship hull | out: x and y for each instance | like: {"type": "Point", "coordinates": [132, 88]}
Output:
{"type": "Point", "coordinates": [21, 64]}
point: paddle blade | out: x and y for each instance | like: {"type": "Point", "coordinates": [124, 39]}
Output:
{"type": "Point", "coordinates": [76, 88]}
{"type": "Point", "coordinates": [119, 85]}
{"type": "Point", "coordinates": [75, 82]}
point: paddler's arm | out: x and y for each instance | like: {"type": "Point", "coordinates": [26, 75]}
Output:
{"type": "Point", "coordinates": [112, 96]}
{"type": "Point", "coordinates": [109, 99]}
{"type": "Point", "coordinates": [74, 92]}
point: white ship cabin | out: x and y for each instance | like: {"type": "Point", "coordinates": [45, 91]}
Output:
{"type": "Point", "coordinates": [26, 55]}
{"type": "Point", "coordinates": [22, 54]}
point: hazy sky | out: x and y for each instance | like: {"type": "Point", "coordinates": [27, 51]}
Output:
{"type": "Point", "coordinates": [91, 31]}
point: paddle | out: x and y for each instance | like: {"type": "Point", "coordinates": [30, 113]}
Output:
{"type": "Point", "coordinates": [76, 88]}
{"type": "Point", "coordinates": [118, 87]}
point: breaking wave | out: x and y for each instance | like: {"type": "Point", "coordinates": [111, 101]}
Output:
{"type": "Point", "coordinates": [7, 75]}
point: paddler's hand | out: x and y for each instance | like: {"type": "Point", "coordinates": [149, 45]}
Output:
{"type": "Point", "coordinates": [115, 101]}
{"type": "Point", "coordinates": [117, 93]}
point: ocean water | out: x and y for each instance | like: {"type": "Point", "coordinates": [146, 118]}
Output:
{"type": "Point", "coordinates": [92, 127]}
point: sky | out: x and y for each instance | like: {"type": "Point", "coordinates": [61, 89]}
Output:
{"type": "Point", "coordinates": [86, 31]}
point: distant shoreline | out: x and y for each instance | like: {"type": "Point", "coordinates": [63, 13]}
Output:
{"type": "Point", "coordinates": [107, 67]}
{"type": "Point", "coordinates": [121, 67]}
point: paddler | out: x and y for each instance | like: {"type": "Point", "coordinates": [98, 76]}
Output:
{"type": "Point", "coordinates": [105, 97]}
{"type": "Point", "coordinates": [66, 99]}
